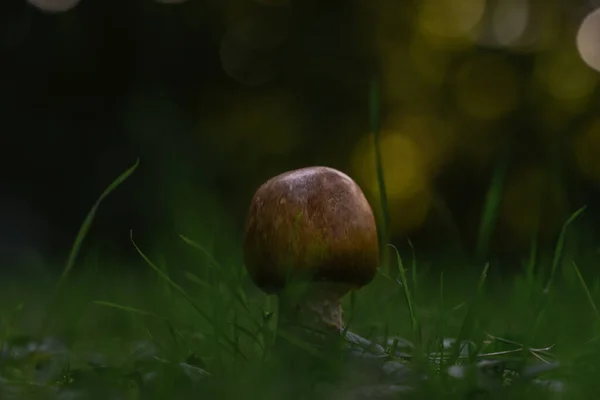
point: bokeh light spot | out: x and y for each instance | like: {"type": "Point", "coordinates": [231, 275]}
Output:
{"type": "Point", "coordinates": [486, 87]}
{"type": "Point", "coordinates": [171, 1]}
{"type": "Point", "coordinates": [434, 137]}
{"type": "Point", "coordinates": [405, 177]}
{"type": "Point", "coordinates": [450, 19]}
{"type": "Point", "coordinates": [276, 3]}
{"type": "Point", "coordinates": [428, 63]}
{"type": "Point", "coordinates": [510, 20]}
{"type": "Point", "coordinates": [588, 39]}
{"type": "Point", "coordinates": [564, 76]}
{"type": "Point", "coordinates": [54, 6]}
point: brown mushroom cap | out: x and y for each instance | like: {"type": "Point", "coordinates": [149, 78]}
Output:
{"type": "Point", "coordinates": [314, 223]}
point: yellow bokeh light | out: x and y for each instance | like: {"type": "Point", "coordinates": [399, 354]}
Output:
{"type": "Point", "coordinates": [564, 76]}
{"type": "Point", "coordinates": [487, 87]}
{"type": "Point", "coordinates": [533, 202]}
{"type": "Point", "coordinates": [586, 149]}
{"type": "Point", "coordinates": [450, 21]}
{"type": "Point", "coordinates": [405, 175]}
{"type": "Point", "coordinates": [429, 63]}
{"type": "Point", "coordinates": [433, 136]}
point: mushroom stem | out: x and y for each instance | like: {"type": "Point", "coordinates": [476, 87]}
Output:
{"type": "Point", "coordinates": [313, 310]}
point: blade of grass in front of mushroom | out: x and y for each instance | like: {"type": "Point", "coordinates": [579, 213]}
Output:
{"type": "Point", "coordinates": [233, 287]}
{"type": "Point", "coordinates": [467, 327]}
{"type": "Point", "coordinates": [218, 332]}
{"type": "Point", "coordinates": [196, 280]}
{"type": "Point", "coordinates": [374, 116]}
{"type": "Point", "coordinates": [254, 336]}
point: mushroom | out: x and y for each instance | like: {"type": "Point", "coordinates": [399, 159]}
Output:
{"type": "Point", "coordinates": [310, 238]}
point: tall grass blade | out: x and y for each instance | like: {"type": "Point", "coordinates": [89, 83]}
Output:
{"type": "Point", "coordinates": [414, 322]}
{"type": "Point", "coordinates": [213, 262]}
{"type": "Point", "coordinates": [531, 263]}
{"type": "Point", "coordinates": [128, 309]}
{"type": "Point", "coordinates": [87, 223]}
{"type": "Point", "coordinates": [218, 332]}
{"type": "Point", "coordinates": [468, 325]}
{"type": "Point", "coordinates": [558, 252]}
{"type": "Point", "coordinates": [491, 206]}
{"type": "Point", "coordinates": [374, 116]}
{"type": "Point", "coordinates": [586, 290]}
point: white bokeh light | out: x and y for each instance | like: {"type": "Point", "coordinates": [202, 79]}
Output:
{"type": "Point", "coordinates": [588, 39]}
{"type": "Point", "coordinates": [54, 6]}
{"type": "Point", "coordinates": [509, 21]}
{"type": "Point", "coordinates": [171, 1]}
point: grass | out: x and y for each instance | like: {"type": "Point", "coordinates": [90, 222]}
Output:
{"type": "Point", "coordinates": [208, 333]}
{"type": "Point", "coordinates": [212, 333]}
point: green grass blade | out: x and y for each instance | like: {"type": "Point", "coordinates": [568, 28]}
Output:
{"type": "Point", "coordinates": [87, 223]}
{"type": "Point", "coordinates": [586, 290]}
{"type": "Point", "coordinates": [408, 297]}
{"type": "Point", "coordinates": [442, 322]}
{"type": "Point", "coordinates": [128, 309]}
{"type": "Point", "coordinates": [532, 261]}
{"type": "Point", "coordinates": [374, 116]}
{"type": "Point", "coordinates": [490, 209]}
{"type": "Point", "coordinates": [558, 252]}
{"type": "Point", "coordinates": [233, 287]}
{"type": "Point", "coordinates": [413, 268]}
{"type": "Point", "coordinates": [468, 325]}
{"type": "Point", "coordinates": [218, 332]}
{"type": "Point", "coordinates": [213, 262]}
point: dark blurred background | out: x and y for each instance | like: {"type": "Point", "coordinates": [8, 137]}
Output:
{"type": "Point", "coordinates": [216, 96]}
